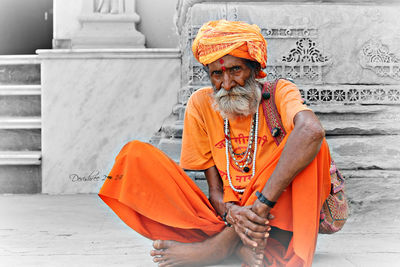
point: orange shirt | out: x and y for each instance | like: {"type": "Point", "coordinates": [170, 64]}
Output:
{"type": "Point", "coordinates": [203, 142]}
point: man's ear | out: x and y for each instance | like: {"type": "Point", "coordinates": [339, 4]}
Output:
{"type": "Point", "coordinates": [206, 69]}
{"type": "Point", "coordinates": [258, 68]}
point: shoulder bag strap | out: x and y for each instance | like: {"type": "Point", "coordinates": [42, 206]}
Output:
{"type": "Point", "coordinates": [272, 116]}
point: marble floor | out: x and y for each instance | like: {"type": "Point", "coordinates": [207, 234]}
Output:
{"type": "Point", "coordinates": [79, 230]}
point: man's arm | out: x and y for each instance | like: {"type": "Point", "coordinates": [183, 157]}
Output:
{"type": "Point", "coordinates": [242, 218]}
{"type": "Point", "coordinates": [301, 148]}
{"type": "Point", "coordinates": [215, 190]}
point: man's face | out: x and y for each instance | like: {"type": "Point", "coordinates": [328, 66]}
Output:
{"type": "Point", "coordinates": [236, 91]}
{"type": "Point", "coordinates": [228, 72]}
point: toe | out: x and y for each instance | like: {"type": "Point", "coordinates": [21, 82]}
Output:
{"type": "Point", "coordinates": [156, 252]}
{"type": "Point", "coordinates": [163, 264]}
{"type": "Point", "coordinates": [159, 244]}
{"type": "Point", "coordinates": [158, 259]}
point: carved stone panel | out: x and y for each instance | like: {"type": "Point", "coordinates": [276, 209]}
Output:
{"type": "Point", "coordinates": [377, 57]}
{"type": "Point", "coordinates": [351, 94]}
{"type": "Point", "coordinates": [313, 44]}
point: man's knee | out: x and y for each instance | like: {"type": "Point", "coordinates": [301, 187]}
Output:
{"type": "Point", "coordinates": [134, 148]}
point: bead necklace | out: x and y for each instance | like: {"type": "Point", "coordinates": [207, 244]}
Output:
{"type": "Point", "coordinates": [246, 154]}
{"type": "Point", "coordinates": [233, 153]}
{"type": "Point", "coordinates": [227, 140]}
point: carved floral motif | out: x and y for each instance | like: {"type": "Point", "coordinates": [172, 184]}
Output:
{"type": "Point", "coordinates": [377, 57]}
{"type": "Point", "coordinates": [304, 61]}
{"type": "Point", "coordinates": [199, 75]}
{"type": "Point", "coordinates": [288, 33]}
{"type": "Point", "coordinates": [305, 51]}
{"type": "Point", "coordinates": [359, 95]}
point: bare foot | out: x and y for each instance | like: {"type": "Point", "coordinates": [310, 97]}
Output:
{"type": "Point", "coordinates": [172, 253]}
{"type": "Point", "coordinates": [249, 257]}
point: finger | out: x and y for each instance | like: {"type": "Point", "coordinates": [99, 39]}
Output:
{"type": "Point", "coordinates": [259, 238]}
{"type": "Point", "coordinates": [250, 220]}
{"type": "Point", "coordinates": [245, 239]}
{"type": "Point", "coordinates": [255, 235]}
{"type": "Point", "coordinates": [256, 227]}
{"type": "Point", "coordinates": [270, 216]}
{"type": "Point", "coordinates": [252, 216]}
{"type": "Point", "coordinates": [261, 244]}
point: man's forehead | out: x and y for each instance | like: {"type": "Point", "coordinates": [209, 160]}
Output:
{"type": "Point", "coordinates": [227, 61]}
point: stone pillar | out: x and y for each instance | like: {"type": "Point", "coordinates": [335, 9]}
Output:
{"type": "Point", "coordinates": [94, 102]}
{"type": "Point", "coordinates": [108, 24]}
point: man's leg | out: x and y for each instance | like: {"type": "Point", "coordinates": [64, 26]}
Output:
{"type": "Point", "coordinates": [216, 249]}
{"type": "Point", "coordinates": [152, 195]}
{"type": "Point", "coordinates": [155, 197]}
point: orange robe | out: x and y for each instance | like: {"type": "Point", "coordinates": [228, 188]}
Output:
{"type": "Point", "coordinates": [155, 197]}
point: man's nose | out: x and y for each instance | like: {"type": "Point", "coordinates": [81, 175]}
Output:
{"type": "Point", "coordinates": [227, 83]}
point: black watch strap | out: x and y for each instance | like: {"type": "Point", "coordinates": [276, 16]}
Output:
{"type": "Point", "coordinates": [264, 200]}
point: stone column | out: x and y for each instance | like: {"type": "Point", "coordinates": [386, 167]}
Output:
{"type": "Point", "coordinates": [108, 24]}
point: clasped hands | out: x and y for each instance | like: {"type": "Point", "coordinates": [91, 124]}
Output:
{"type": "Point", "coordinates": [251, 223]}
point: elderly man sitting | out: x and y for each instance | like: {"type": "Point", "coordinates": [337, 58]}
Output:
{"type": "Point", "coordinates": [264, 197]}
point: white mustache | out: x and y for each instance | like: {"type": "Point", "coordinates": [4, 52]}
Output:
{"type": "Point", "coordinates": [235, 91]}
{"type": "Point", "coordinates": [239, 101]}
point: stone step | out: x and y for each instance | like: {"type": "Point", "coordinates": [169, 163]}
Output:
{"type": "Point", "coordinates": [20, 157]}
{"type": "Point", "coordinates": [366, 152]}
{"type": "Point", "coordinates": [332, 128]}
{"type": "Point", "coordinates": [360, 127]}
{"type": "Point", "coordinates": [200, 179]}
{"type": "Point", "coordinates": [356, 112]}
{"type": "Point", "coordinates": [171, 147]}
{"type": "Point", "coordinates": [20, 139]}
{"type": "Point", "coordinates": [20, 105]}
{"type": "Point", "coordinates": [20, 179]}
{"type": "Point", "coordinates": [179, 110]}
{"type": "Point", "coordinates": [19, 69]}
{"type": "Point", "coordinates": [20, 122]}
{"type": "Point", "coordinates": [19, 60]}
{"type": "Point", "coordinates": [173, 130]}
{"type": "Point", "coordinates": [20, 90]}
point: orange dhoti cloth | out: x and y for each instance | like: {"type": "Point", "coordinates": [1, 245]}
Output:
{"type": "Point", "coordinates": [156, 198]}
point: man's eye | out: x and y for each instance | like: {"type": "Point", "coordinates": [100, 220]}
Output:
{"type": "Point", "coordinates": [216, 72]}
{"type": "Point", "coordinates": [235, 68]}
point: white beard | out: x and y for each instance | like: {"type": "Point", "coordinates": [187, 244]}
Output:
{"type": "Point", "coordinates": [239, 101]}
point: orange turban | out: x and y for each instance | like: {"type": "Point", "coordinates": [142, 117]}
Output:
{"type": "Point", "coordinates": [218, 38]}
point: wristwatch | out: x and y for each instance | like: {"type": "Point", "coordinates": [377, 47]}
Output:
{"type": "Point", "coordinates": [264, 200]}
